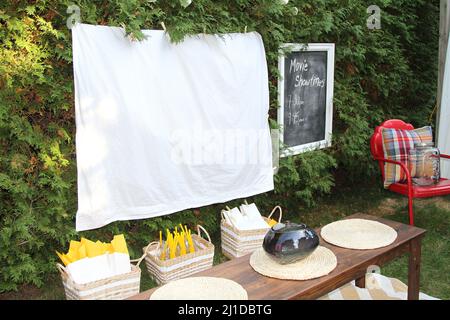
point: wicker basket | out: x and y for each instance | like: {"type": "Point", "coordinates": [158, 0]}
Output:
{"type": "Point", "coordinates": [114, 288]}
{"type": "Point", "coordinates": [179, 267]}
{"type": "Point", "coordinates": [237, 243]}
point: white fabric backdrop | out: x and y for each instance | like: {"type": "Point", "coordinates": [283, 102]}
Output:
{"type": "Point", "coordinates": [164, 127]}
{"type": "Point", "coordinates": [444, 121]}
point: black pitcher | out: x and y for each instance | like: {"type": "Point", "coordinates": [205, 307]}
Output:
{"type": "Point", "coordinates": [290, 242]}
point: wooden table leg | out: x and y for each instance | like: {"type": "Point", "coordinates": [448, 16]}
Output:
{"type": "Point", "coordinates": [361, 282]}
{"type": "Point", "coordinates": [414, 268]}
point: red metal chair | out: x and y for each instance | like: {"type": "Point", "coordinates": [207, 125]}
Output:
{"type": "Point", "coordinates": [408, 188]}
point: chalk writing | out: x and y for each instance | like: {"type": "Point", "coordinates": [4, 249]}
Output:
{"type": "Point", "coordinates": [304, 97]}
{"type": "Point", "coordinates": [295, 105]}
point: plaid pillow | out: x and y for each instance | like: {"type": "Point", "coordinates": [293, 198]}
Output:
{"type": "Point", "coordinates": [396, 144]}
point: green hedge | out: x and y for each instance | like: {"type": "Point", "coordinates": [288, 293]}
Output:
{"type": "Point", "coordinates": [380, 74]}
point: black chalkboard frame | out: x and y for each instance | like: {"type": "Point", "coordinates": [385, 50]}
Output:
{"type": "Point", "coordinates": [285, 49]}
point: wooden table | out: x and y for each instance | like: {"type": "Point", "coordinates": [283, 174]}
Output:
{"type": "Point", "coordinates": [351, 265]}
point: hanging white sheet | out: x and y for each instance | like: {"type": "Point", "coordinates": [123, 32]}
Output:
{"type": "Point", "coordinates": [444, 120]}
{"type": "Point", "coordinates": [163, 127]}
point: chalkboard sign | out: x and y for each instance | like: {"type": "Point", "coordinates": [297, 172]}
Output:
{"type": "Point", "coordinates": [306, 96]}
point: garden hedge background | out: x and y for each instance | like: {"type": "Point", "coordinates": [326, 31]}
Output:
{"type": "Point", "coordinates": [380, 74]}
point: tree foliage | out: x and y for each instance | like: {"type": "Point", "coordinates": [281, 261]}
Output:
{"type": "Point", "coordinates": [379, 74]}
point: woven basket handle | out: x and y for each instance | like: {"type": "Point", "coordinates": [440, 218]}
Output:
{"type": "Point", "coordinates": [280, 214]}
{"type": "Point", "coordinates": [199, 227]}
{"type": "Point", "coordinates": [61, 268]}
{"type": "Point", "coordinates": [138, 261]}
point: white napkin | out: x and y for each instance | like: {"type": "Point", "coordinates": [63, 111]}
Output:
{"type": "Point", "coordinates": [248, 218]}
{"type": "Point", "coordinates": [253, 217]}
{"type": "Point", "coordinates": [234, 217]}
{"type": "Point", "coordinates": [100, 267]}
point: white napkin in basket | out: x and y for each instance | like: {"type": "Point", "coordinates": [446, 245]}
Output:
{"type": "Point", "coordinates": [100, 267]}
{"type": "Point", "coordinates": [253, 217]}
{"type": "Point", "coordinates": [247, 218]}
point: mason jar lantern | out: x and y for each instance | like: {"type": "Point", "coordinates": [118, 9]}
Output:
{"type": "Point", "coordinates": [424, 164]}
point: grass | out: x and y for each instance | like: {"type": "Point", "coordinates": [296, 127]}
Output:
{"type": "Point", "coordinates": [431, 214]}
{"type": "Point", "coordinates": [435, 270]}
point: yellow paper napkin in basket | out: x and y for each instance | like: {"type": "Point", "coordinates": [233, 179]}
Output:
{"type": "Point", "coordinates": [88, 261]}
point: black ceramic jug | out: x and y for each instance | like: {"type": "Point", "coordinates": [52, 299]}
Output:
{"type": "Point", "coordinates": [290, 242]}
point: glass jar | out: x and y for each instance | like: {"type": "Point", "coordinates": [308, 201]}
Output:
{"type": "Point", "coordinates": [424, 164]}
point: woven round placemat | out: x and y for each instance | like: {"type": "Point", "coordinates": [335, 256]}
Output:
{"type": "Point", "coordinates": [319, 263]}
{"type": "Point", "coordinates": [200, 288]}
{"type": "Point", "coordinates": [359, 234]}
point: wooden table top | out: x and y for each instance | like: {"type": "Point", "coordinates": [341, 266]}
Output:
{"type": "Point", "coordinates": [351, 264]}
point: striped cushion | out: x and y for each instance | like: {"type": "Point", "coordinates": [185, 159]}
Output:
{"type": "Point", "coordinates": [378, 287]}
{"type": "Point", "coordinates": [396, 144]}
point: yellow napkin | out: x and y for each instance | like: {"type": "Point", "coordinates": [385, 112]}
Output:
{"type": "Point", "coordinates": [74, 245]}
{"type": "Point", "coordinates": [93, 249]}
{"type": "Point", "coordinates": [272, 222]}
{"type": "Point", "coordinates": [118, 244]}
{"type": "Point", "coordinates": [82, 252]}
{"type": "Point", "coordinates": [63, 258]}
{"type": "Point", "coordinates": [86, 248]}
